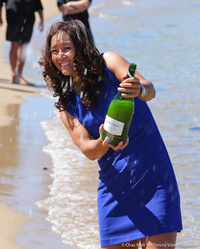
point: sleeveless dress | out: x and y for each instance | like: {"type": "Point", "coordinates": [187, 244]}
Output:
{"type": "Point", "coordinates": [138, 194]}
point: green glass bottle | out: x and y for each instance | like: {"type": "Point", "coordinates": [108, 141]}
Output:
{"type": "Point", "coordinates": [119, 115]}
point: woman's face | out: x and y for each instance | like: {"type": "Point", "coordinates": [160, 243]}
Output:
{"type": "Point", "coordinates": [63, 53]}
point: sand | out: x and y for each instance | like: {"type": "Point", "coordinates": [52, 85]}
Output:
{"type": "Point", "coordinates": [24, 226]}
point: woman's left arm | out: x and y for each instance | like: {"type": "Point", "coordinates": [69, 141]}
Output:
{"type": "Point", "coordinates": [134, 85]}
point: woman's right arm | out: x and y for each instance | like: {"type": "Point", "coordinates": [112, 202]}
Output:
{"type": "Point", "coordinates": [91, 148]}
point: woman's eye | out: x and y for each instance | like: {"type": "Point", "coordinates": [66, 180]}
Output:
{"type": "Point", "coordinates": [54, 51]}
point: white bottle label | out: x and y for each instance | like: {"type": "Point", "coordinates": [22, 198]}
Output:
{"type": "Point", "coordinates": [113, 126]}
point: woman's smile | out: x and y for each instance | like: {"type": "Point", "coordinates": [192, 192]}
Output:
{"type": "Point", "coordinates": [65, 64]}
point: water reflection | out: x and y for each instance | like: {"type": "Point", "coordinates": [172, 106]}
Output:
{"type": "Point", "coordinates": [9, 151]}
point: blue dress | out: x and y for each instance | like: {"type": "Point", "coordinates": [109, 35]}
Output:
{"type": "Point", "coordinates": [138, 194]}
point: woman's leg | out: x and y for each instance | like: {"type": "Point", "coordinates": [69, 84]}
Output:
{"type": "Point", "coordinates": [160, 241]}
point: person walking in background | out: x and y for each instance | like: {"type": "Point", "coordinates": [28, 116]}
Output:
{"type": "Point", "coordinates": [20, 16]}
{"type": "Point", "coordinates": [76, 9]}
{"type": "Point", "coordinates": [138, 196]}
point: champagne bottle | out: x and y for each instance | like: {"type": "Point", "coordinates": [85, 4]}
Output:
{"type": "Point", "coordinates": [119, 115]}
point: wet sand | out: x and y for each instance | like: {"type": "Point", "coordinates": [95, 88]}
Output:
{"type": "Point", "coordinates": [23, 179]}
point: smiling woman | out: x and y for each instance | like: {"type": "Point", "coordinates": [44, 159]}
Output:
{"type": "Point", "coordinates": [138, 197]}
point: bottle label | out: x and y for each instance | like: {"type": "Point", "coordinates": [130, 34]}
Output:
{"type": "Point", "coordinates": [113, 126]}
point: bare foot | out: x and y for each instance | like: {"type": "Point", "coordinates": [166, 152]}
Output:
{"type": "Point", "coordinates": [23, 81]}
{"type": "Point", "coordinates": [15, 80]}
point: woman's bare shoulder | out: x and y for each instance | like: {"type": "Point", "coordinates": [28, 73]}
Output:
{"type": "Point", "coordinates": [116, 63]}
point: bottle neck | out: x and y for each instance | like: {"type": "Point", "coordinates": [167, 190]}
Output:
{"type": "Point", "coordinates": [119, 96]}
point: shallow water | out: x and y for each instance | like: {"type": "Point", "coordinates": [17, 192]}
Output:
{"type": "Point", "coordinates": [163, 39]}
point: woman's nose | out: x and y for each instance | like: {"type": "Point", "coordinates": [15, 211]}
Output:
{"type": "Point", "coordinates": [61, 53]}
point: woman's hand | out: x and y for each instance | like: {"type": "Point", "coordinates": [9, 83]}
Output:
{"type": "Point", "coordinates": [119, 66]}
{"type": "Point", "coordinates": [105, 143]}
{"type": "Point", "coordinates": [130, 87]}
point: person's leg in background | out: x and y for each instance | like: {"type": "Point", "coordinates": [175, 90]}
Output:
{"type": "Point", "coordinates": [13, 61]}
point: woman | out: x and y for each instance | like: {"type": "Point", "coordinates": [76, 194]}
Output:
{"type": "Point", "coordinates": [138, 197]}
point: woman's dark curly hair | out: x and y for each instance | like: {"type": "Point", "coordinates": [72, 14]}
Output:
{"type": "Point", "coordinates": [88, 62]}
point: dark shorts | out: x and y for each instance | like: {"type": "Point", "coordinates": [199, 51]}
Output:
{"type": "Point", "coordinates": [21, 34]}
{"type": "Point", "coordinates": [19, 29]}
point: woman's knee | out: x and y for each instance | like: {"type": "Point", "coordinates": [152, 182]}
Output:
{"type": "Point", "coordinates": [159, 241]}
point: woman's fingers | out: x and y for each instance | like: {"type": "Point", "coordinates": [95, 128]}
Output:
{"type": "Point", "coordinates": [130, 87]}
{"type": "Point", "coordinates": [105, 142]}
{"type": "Point", "coordinates": [100, 129]}
{"type": "Point", "coordinates": [126, 142]}
{"type": "Point", "coordinates": [121, 145]}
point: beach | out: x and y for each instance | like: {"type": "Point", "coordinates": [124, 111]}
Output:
{"type": "Point", "coordinates": [48, 189]}
{"type": "Point", "coordinates": [23, 224]}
